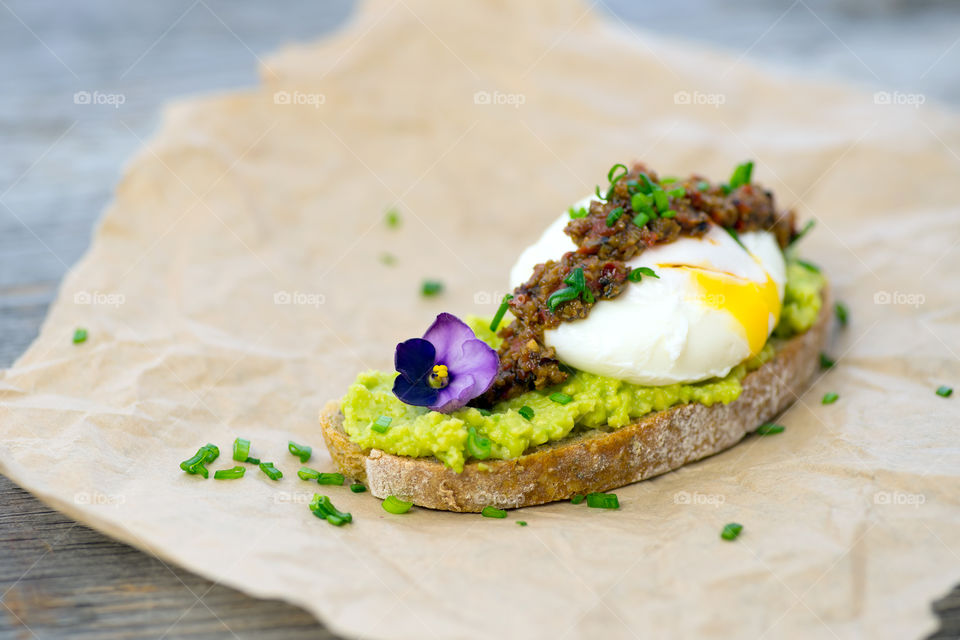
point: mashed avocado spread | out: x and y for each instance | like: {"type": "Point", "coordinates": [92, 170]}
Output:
{"type": "Point", "coordinates": [597, 401]}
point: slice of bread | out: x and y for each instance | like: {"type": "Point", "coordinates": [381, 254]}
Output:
{"type": "Point", "coordinates": [595, 460]}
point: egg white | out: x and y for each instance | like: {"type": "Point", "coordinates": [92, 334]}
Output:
{"type": "Point", "coordinates": [713, 306]}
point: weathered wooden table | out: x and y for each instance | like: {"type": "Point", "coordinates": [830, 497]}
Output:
{"type": "Point", "coordinates": [60, 159]}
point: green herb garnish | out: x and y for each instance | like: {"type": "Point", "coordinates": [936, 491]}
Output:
{"type": "Point", "coordinates": [229, 474]}
{"type": "Point", "coordinates": [392, 218]}
{"type": "Point", "coordinates": [306, 473]}
{"type": "Point", "coordinates": [501, 311]}
{"type": "Point", "coordinates": [79, 336]}
{"type": "Point", "coordinates": [393, 504]}
{"type": "Point", "coordinates": [703, 185]}
{"type": "Point", "coordinates": [843, 315]}
{"type": "Point", "coordinates": [809, 266]}
{"type": "Point", "coordinates": [522, 523]}
{"type": "Point", "coordinates": [478, 446]}
{"type": "Point", "coordinates": [331, 478]}
{"type": "Point", "coordinates": [252, 460]}
{"type": "Point", "coordinates": [641, 219]}
{"type": "Point", "coordinates": [770, 429]}
{"type": "Point", "coordinates": [741, 175]}
{"type": "Point", "coordinates": [806, 228]}
{"type": "Point", "coordinates": [301, 451]}
{"type": "Point", "coordinates": [577, 289]}
{"type": "Point", "coordinates": [241, 450]}
{"type": "Point", "coordinates": [660, 199]}
{"type": "Point", "coordinates": [617, 173]}
{"type": "Point", "coordinates": [526, 412]}
{"type": "Point", "coordinates": [826, 362]}
{"type": "Point", "coordinates": [388, 259]}
{"type": "Point", "coordinates": [944, 391]}
{"type": "Point", "coordinates": [577, 213]}
{"type": "Point", "coordinates": [642, 203]}
{"type": "Point", "coordinates": [731, 531]}
{"type": "Point", "coordinates": [561, 398]}
{"type": "Point", "coordinates": [485, 412]}
{"type": "Point", "coordinates": [603, 501]}
{"type": "Point", "coordinates": [830, 398]}
{"type": "Point", "coordinates": [736, 236]}
{"type": "Point", "coordinates": [636, 275]}
{"type": "Point", "coordinates": [431, 288]}
{"type": "Point", "coordinates": [272, 472]}
{"type": "Point", "coordinates": [204, 455]}
{"type": "Point", "coordinates": [669, 213]}
{"type": "Point", "coordinates": [358, 488]}
{"type": "Point", "coordinates": [613, 216]}
{"type": "Point", "coordinates": [578, 498]}
{"type": "Point", "coordinates": [493, 512]}
{"type": "Point", "coordinates": [323, 508]}
{"type": "Point", "coordinates": [381, 424]}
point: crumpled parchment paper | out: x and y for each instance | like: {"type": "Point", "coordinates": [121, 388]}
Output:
{"type": "Point", "coordinates": [236, 284]}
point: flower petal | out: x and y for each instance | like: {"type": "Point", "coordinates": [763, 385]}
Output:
{"type": "Point", "coordinates": [448, 333]}
{"type": "Point", "coordinates": [455, 395]}
{"type": "Point", "coordinates": [418, 394]}
{"type": "Point", "coordinates": [470, 376]}
{"type": "Point", "coordinates": [414, 359]}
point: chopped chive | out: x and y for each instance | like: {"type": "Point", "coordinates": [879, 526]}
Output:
{"type": "Point", "coordinates": [770, 429]}
{"type": "Point", "coordinates": [647, 185]}
{"type": "Point", "coordinates": [358, 488]}
{"type": "Point", "coordinates": [252, 460]}
{"type": "Point", "coordinates": [301, 451]}
{"type": "Point", "coordinates": [381, 424]}
{"type": "Point", "coordinates": [204, 455]}
{"type": "Point", "coordinates": [703, 185]}
{"type": "Point", "coordinates": [493, 512]}
{"type": "Point", "coordinates": [80, 335]}
{"type": "Point", "coordinates": [660, 199]}
{"type": "Point", "coordinates": [809, 266]}
{"type": "Point", "coordinates": [393, 504]}
{"type": "Point", "coordinates": [641, 202]}
{"type": "Point", "coordinates": [603, 501]}
{"type": "Point", "coordinates": [669, 213]}
{"type": "Point", "coordinates": [561, 398]}
{"type": "Point", "coordinates": [613, 176]}
{"type": "Point", "coordinates": [577, 289]}
{"type": "Point", "coordinates": [526, 412]}
{"type": "Point", "coordinates": [843, 314]}
{"type": "Point", "coordinates": [641, 219]}
{"type": "Point", "coordinates": [806, 228]}
{"type": "Point", "coordinates": [392, 218]}
{"type": "Point", "coordinates": [741, 175]}
{"type": "Point", "coordinates": [501, 311]}
{"type": "Point", "coordinates": [577, 213]}
{"type": "Point", "coordinates": [322, 507]}
{"type": "Point", "coordinates": [636, 275]}
{"type": "Point", "coordinates": [388, 258]}
{"type": "Point", "coordinates": [431, 288]}
{"type": "Point", "coordinates": [306, 473]}
{"type": "Point", "coordinates": [736, 236]}
{"type": "Point", "coordinates": [229, 474]}
{"type": "Point", "coordinates": [668, 180]}
{"type": "Point", "coordinates": [731, 531]}
{"type": "Point", "coordinates": [331, 478]}
{"type": "Point", "coordinates": [479, 447]}
{"type": "Point", "coordinates": [944, 391]}
{"type": "Point", "coordinates": [826, 362]}
{"type": "Point", "coordinates": [578, 498]}
{"type": "Point", "coordinates": [613, 216]}
{"type": "Point", "coordinates": [485, 412]}
{"type": "Point", "coordinates": [522, 523]}
{"type": "Point", "coordinates": [830, 398]}
{"type": "Point", "coordinates": [676, 193]}
{"type": "Point", "coordinates": [241, 450]}
{"type": "Point", "coordinates": [272, 472]}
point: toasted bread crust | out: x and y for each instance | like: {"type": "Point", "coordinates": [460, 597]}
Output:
{"type": "Point", "coordinates": [595, 460]}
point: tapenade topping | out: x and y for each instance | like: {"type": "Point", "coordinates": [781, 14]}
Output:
{"type": "Point", "coordinates": [636, 210]}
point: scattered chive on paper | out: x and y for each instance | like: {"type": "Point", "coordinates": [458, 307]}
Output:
{"type": "Point", "coordinates": [526, 412]}
{"type": "Point", "coordinates": [392, 218]}
{"type": "Point", "coordinates": [393, 504]}
{"type": "Point", "coordinates": [944, 391]}
{"type": "Point", "coordinates": [301, 451]}
{"type": "Point", "coordinates": [501, 311]}
{"type": "Point", "coordinates": [431, 288]}
{"type": "Point", "coordinates": [388, 259]}
{"type": "Point", "coordinates": [197, 464]}
{"type": "Point", "coordinates": [79, 336]}
{"type": "Point", "coordinates": [252, 460]}
{"type": "Point", "coordinates": [229, 474]}
{"type": "Point", "coordinates": [843, 314]}
{"type": "Point", "coordinates": [731, 531]}
{"type": "Point", "coordinates": [479, 447]}
{"type": "Point", "coordinates": [306, 473]}
{"type": "Point", "coordinates": [358, 488]}
{"type": "Point", "coordinates": [830, 398]}
{"type": "Point", "coordinates": [578, 498]}
{"type": "Point", "coordinates": [770, 428]}
{"type": "Point", "coordinates": [331, 478]}
{"type": "Point", "coordinates": [241, 450]}
{"type": "Point", "coordinates": [826, 362]}
{"type": "Point", "coordinates": [522, 523]}
{"type": "Point", "coordinates": [561, 398]}
{"type": "Point", "coordinates": [323, 508]}
{"type": "Point", "coordinates": [493, 512]}
{"type": "Point", "coordinates": [603, 501]}
{"type": "Point", "coordinates": [272, 472]}
{"type": "Point", "coordinates": [381, 424]}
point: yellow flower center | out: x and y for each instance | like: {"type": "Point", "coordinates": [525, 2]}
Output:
{"type": "Point", "coordinates": [439, 377]}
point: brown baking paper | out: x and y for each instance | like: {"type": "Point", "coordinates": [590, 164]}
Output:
{"type": "Point", "coordinates": [236, 285]}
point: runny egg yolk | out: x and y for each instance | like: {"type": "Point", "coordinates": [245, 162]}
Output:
{"type": "Point", "coordinates": [750, 303]}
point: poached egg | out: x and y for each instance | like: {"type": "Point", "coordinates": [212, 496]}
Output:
{"type": "Point", "coordinates": [714, 305]}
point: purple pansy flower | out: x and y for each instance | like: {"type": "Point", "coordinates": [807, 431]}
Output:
{"type": "Point", "coordinates": [446, 368]}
